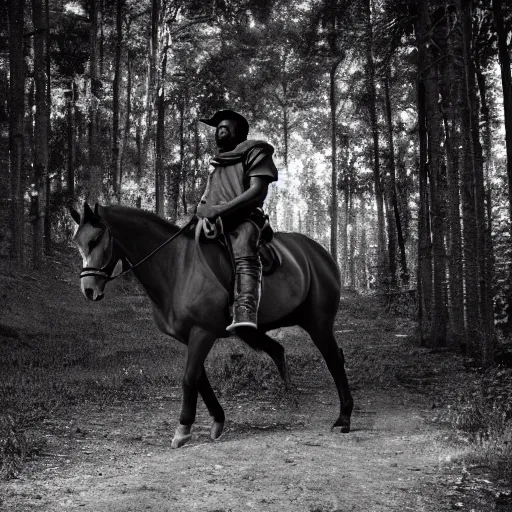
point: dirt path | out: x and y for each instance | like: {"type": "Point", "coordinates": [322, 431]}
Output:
{"type": "Point", "coordinates": [113, 454]}
{"type": "Point", "coordinates": [272, 457]}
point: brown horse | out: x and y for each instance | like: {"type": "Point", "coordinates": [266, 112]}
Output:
{"type": "Point", "coordinates": [188, 284]}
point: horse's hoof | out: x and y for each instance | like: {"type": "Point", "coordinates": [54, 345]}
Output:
{"type": "Point", "coordinates": [179, 441]}
{"type": "Point", "coordinates": [344, 424]}
{"type": "Point", "coordinates": [216, 430]}
{"type": "Point", "coordinates": [181, 436]}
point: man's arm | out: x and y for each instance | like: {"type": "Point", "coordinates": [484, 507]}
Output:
{"type": "Point", "coordinates": [253, 196]}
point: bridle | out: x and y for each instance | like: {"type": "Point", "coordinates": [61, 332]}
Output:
{"type": "Point", "coordinates": [107, 269]}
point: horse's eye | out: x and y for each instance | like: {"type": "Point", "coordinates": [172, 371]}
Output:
{"type": "Point", "coordinates": [95, 241]}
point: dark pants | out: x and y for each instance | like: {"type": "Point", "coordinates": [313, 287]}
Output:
{"type": "Point", "coordinates": [244, 239]}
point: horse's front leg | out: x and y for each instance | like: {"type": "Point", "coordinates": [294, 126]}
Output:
{"type": "Point", "coordinates": [199, 345]}
{"type": "Point", "coordinates": [213, 406]}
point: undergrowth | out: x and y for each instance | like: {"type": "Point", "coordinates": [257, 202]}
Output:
{"type": "Point", "coordinates": [483, 414]}
{"type": "Point", "coordinates": [13, 447]}
{"type": "Point", "coordinates": [233, 367]}
{"type": "Point", "coordinates": [58, 352]}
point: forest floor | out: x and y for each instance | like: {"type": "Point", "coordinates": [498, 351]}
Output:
{"type": "Point", "coordinates": [90, 396]}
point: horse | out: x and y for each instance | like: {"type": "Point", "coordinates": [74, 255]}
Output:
{"type": "Point", "coordinates": [188, 284]}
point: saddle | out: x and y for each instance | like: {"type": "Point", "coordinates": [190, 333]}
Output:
{"type": "Point", "coordinates": [270, 259]}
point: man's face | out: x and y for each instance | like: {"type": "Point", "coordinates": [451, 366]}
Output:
{"type": "Point", "coordinates": [226, 135]}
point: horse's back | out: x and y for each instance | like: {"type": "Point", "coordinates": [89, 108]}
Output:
{"type": "Point", "coordinates": [307, 274]}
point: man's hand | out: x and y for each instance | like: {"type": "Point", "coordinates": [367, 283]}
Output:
{"type": "Point", "coordinates": [205, 211]}
{"type": "Point", "coordinates": [254, 195]}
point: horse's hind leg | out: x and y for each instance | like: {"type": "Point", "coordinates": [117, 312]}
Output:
{"type": "Point", "coordinates": [323, 337]}
{"type": "Point", "coordinates": [258, 340]}
{"type": "Point", "coordinates": [213, 406]}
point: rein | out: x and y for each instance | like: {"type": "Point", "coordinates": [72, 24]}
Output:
{"type": "Point", "coordinates": [101, 272]}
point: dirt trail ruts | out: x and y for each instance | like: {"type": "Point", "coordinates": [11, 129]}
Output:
{"type": "Point", "coordinates": [272, 457]}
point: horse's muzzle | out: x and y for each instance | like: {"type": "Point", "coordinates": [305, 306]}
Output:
{"type": "Point", "coordinates": [92, 294]}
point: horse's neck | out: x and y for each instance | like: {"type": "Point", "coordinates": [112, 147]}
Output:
{"type": "Point", "coordinates": [174, 275]}
{"type": "Point", "coordinates": [137, 240]}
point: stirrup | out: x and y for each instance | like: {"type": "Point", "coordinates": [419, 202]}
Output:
{"type": "Point", "coordinates": [243, 316]}
{"type": "Point", "coordinates": [235, 325]}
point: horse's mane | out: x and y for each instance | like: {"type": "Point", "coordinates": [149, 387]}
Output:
{"type": "Point", "coordinates": [130, 212]}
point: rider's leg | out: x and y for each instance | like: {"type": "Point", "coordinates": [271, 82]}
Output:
{"type": "Point", "coordinates": [244, 240]}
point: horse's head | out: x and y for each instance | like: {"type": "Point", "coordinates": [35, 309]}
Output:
{"type": "Point", "coordinates": [96, 245]}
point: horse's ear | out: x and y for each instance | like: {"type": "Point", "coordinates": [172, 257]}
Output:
{"type": "Point", "coordinates": [90, 217]}
{"type": "Point", "coordinates": [99, 210]}
{"type": "Point", "coordinates": [75, 215]}
{"type": "Point", "coordinates": [88, 213]}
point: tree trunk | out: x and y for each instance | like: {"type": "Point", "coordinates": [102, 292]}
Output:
{"type": "Point", "coordinates": [159, 156]}
{"type": "Point", "coordinates": [16, 125]}
{"type": "Point", "coordinates": [151, 90]}
{"type": "Point", "coordinates": [160, 132]}
{"type": "Point", "coordinates": [344, 231]}
{"type": "Point", "coordinates": [184, 162]}
{"type": "Point", "coordinates": [93, 177]}
{"type": "Point", "coordinates": [128, 120]}
{"type": "Point", "coordinates": [363, 247]}
{"type": "Point", "coordinates": [353, 239]}
{"type": "Point", "coordinates": [486, 354]}
{"type": "Point", "coordinates": [451, 93]}
{"type": "Point", "coordinates": [404, 276]}
{"type": "Point", "coordinates": [197, 170]}
{"type": "Point", "coordinates": [102, 37]}
{"type": "Point", "coordinates": [286, 133]}
{"type": "Point", "coordinates": [5, 192]}
{"type": "Point", "coordinates": [506, 83]}
{"type": "Point", "coordinates": [469, 215]}
{"type": "Point", "coordinates": [47, 213]}
{"type": "Point", "coordinates": [334, 171]}
{"type": "Point", "coordinates": [29, 132]}
{"type": "Point", "coordinates": [437, 168]}
{"type": "Point", "coordinates": [139, 144]}
{"type": "Point", "coordinates": [403, 194]}
{"type": "Point", "coordinates": [138, 160]}
{"type": "Point", "coordinates": [391, 229]}
{"type": "Point", "coordinates": [40, 131]}
{"type": "Point", "coordinates": [176, 172]}
{"type": "Point", "coordinates": [70, 109]}
{"type": "Point", "coordinates": [424, 241]}
{"type": "Point", "coordinates": [487, 221]}
{"type": "Point", "coordinates": [372, 107]}
{"type": "Point", "coordinates": [114, 163]}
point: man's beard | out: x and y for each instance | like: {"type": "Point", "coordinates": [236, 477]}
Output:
{"type": "Point", "coordinates": [226, 143]}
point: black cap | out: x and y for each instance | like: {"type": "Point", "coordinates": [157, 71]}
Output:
{"type": "Point", "coordinates": [222, 115]}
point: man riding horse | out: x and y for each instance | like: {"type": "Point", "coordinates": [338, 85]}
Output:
{"type": "Point", "coordinates": [187, 283]}
{"type": "Point", "coordinates": [236, 188]}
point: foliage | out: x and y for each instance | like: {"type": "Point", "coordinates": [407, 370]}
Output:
{"type": "Point", "coordinates": [273, 61]}
{"type": "Point", "coordinates": [13, 447]}
{"type": "Point", "coordinates": [484, 415]}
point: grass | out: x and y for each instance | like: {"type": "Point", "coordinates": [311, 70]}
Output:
{"type": "Point", "coordinates": [58, 352]}
{"type": "Point", "coordinates": [234, 367]}
{"type": "Point", "coordinates": [483, 415]}
{"type": "Point", "coordinates": [13, 447]}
